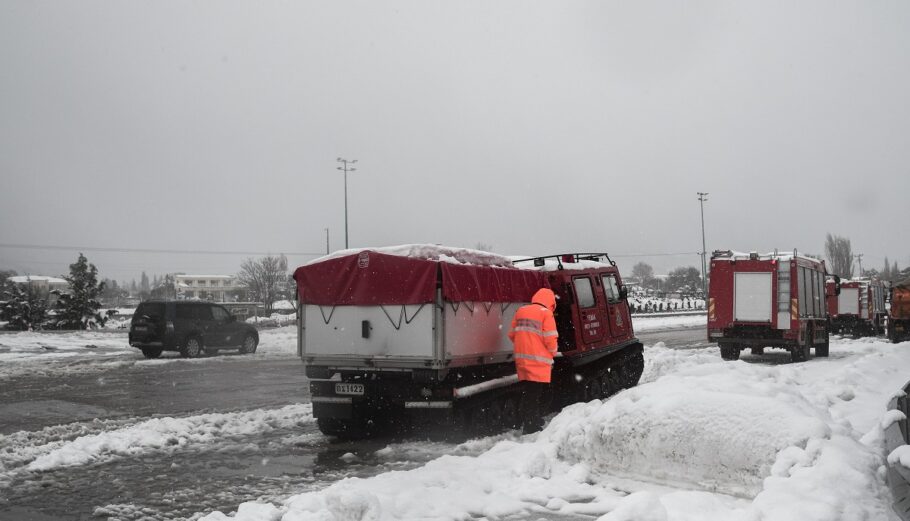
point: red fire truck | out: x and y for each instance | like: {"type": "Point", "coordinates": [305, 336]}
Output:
{"type": "Point", "coordinates": [859, 309]}
{"type": "Point", "coordinates": [771, 300]}
{"type": "Point", "coordinates": [416, 336]}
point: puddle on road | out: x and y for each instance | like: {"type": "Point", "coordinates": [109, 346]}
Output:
{"type": "Point", "coordinates": [161, 486]}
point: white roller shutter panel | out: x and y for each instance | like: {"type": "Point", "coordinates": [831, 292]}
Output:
{"type": "Point", "coordinates": [752, 302]}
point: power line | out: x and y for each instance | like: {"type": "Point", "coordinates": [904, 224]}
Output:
{"type": "Point", "coordinates": [147, 250]}
{"type": "Point", "coordinates": [655, 254]}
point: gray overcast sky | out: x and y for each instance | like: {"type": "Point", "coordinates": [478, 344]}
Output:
{"type": "Point", "coordinates": [532, 127]}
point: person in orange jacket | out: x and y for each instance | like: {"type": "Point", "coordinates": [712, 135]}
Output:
{"type": "Point", "coordinates": [533, 334]}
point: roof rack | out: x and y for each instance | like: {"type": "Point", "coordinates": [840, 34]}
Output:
{"type": "Point", "coordinates": [568, 258]}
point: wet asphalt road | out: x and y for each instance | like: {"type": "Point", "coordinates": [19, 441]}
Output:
{"type": "Point", "coordinates": [178, 484]}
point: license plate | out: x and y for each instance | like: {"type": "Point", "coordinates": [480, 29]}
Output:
{"type": "Point", "coordinates": [349, 389]}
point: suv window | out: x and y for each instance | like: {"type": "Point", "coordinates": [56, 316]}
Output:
{"type": "Point", "coordinates": [203, 312]}
{"type": "Point", "coordinates": [221, 314]}
{"type": "Point", "coordinates": [153, 310]}
{"type": "Point", "coordinates": [185, 312]}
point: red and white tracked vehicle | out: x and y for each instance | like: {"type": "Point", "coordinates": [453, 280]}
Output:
{"type": "Point", "coordinates": [416, 336]}
{"type": "Point", "coordinates": [772, 300]}
{"type": "Point", "coordinates": [859, 309]}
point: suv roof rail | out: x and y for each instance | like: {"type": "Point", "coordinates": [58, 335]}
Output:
{"type": "Point", "coordinates": [568, 258]}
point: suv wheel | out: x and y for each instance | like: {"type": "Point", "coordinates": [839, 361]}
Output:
{"type": "Point", "coordinates": [192, 347]}
{"type": "Point", "coordinates": [152, 352]}
{"type": "Point", "coordinates": [249, 345]}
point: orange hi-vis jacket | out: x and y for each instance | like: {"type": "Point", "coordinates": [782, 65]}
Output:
{"type": "Point", "coordinates": [534, 336]}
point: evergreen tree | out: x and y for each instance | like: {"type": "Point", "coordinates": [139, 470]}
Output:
{"type": "Point", "coordinates": [144, 283]}
{"type": "Point", "coordinates": [78, 307]}
{"type": "Point", "coordinates": [886, 273]}
{"type": "Point", "coordinates": [24, 307]}
{"type": "Point", "coordinates": [133, 287]}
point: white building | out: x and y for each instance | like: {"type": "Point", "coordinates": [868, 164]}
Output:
{"type": "Point", "coordinates": [43, 285]}
{"type": "Point", "coordinates": [206, 287]}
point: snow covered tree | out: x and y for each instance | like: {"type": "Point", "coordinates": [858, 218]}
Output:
{"type": "Point", "coordinates": [886, 273]}
{"type": "Point", "coordinates": [166, 288]}
{"type": "Point", "coordinates": [840, 256]}
{"type": "Point", "coordinates": [684, 279]}
{"type": "Point", "coordinates": [264, 279]}
{"type": "Point", "coordinates": [5, 275]}
{"type": "Point", "coordinates": [23, 306]}
{"type": "Point", "coordinates": [78, 307]}
{"type": "Point", "coordinates": [644, 273]}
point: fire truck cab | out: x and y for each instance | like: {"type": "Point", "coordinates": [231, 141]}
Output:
{"type": "Point", "coordinates": [770, 300]}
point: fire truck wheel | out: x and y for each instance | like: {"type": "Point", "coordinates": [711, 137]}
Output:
{"type": "Point", "coordinates": [822, 349]}
{"type": "Point", "coordinates": [729, 352]}
{"type": "Point", "coordinates": [799, 353]}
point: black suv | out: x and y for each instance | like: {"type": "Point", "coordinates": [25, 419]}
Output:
{"type": "Point", "coordinates": [189, 327]}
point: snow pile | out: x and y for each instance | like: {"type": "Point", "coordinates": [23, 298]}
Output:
{"type": "Point", "coordinates": [714, 428]}
{"type": "Point", "coordinates": [156, 435]}
{"type": "Point", "coordinates": [701, 439]}
{"type": "Point", "coordinates": [428, 252]}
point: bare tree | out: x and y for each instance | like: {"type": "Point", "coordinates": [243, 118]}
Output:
{"type": "Point", "coordinates": [840, 255]}
{"type": "Point", "coordinates": [264, 279]}
{"type": "Point", "coordinates": [644, 273]}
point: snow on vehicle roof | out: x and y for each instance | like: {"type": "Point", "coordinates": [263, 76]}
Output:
{"type": "Point", "coordinates": [784, 256]}
{"type": "Point", "coordinates": [432, 252]}
{"type": "Point", "coordinates": [455, 255]}
{"type": "Point", "coordinates": [553, 264]}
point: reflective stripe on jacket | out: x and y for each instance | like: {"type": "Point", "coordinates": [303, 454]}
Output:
{"type": "Point", "coordinates": [534, 336]}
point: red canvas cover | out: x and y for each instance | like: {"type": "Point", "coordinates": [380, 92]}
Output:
{"type": "Point", "coordinates": [469, 283]}
{"type": "Point", "coordinates": [367, 279]}
{"type": "Point", "coordinates": [370, 278]}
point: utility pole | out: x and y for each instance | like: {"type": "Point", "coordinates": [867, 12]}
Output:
{"type": "Point", "coordinates": [702, 197]}
{"type": "Point", "coordinates": [859, 259]}
{"type": "Point", "coordinates": [345, 168]}
{"type": "Point", "coordinates": [327, 241]}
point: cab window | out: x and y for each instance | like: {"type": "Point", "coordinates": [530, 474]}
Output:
{"type": "Point", "coordinates": [611, 288]}
{"type": "Point", "coordinates": [584, 291]}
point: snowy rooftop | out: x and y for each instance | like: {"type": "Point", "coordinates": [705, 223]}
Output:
{"type": "Point", "coordinates": [203, 277]}
{"type": "Point", "coordinates": [23, 279]}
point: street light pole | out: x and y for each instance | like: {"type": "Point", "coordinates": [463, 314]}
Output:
{"type": "Point", "coordinates": [702, 197]}
{"type": "Point", "coordinates": [345, 168]}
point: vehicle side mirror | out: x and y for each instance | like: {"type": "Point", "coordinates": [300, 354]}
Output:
{"type": "Point", "coordinates": [623, 292]}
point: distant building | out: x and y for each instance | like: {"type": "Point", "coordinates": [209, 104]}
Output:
{"type": "Point", "coordinates": [206, 287]}
{"type": "Point", "coordinates": [41, 284]}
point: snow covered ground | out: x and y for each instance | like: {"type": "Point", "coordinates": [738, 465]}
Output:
{"type": "Point", "coordinates": [75, 351]}
{"type": "Point", "coordinates": [648, 323]}
{"type": "Point", "coordinates": [81, 351]}
{"type": "Point", "coordinates": [699, 439]}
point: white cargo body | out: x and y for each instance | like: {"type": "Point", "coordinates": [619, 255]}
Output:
{"type": "Point", "coordinates": [405, 310]}
{"type": "Point", "coordinates": [441, 334]}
